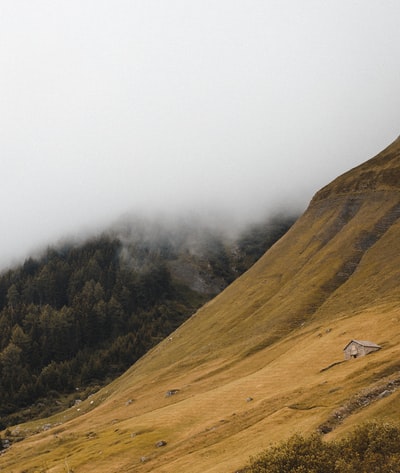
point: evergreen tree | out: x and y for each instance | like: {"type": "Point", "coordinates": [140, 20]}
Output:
{"type": "Point", "coordinates": [83, 314]}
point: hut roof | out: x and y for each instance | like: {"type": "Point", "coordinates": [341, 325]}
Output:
{"type": "Point", "coordinates": [364, 343]}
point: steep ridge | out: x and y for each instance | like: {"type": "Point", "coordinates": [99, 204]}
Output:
{"type": "Point", "coordinates": [260, 361]}
{"type": "Point", "coordinates": [380, 173]}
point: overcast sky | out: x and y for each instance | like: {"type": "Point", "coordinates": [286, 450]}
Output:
{"type": "Point", "coordinates": [109, 106]}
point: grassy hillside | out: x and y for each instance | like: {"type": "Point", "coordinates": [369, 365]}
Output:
{"type": "Point", "coordinates": [263, 359]}
{"type": "Point", "coordinates": [80, 315]}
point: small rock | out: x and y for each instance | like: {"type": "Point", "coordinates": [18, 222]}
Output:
{"type": "Point", "coordinates": [249, 399]}
{"type": "Point", "coordinates": [171, 392]}
{"type": "Point", "coordinates": [5, 444]}
{"type": "Point", "coordinates": [325, 429]}
{"type": "Point", "coordinates": [161, 443]}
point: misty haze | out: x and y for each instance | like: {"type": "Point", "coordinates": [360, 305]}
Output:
{"type": "Point", "coordinates": [184, 107]}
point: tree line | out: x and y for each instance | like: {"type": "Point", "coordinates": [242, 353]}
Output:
{"type": "Point", "coordinates": [78, 316]}
{"type": "Point", "coordinates": [81, 314]}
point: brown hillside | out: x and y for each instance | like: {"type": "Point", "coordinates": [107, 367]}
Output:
{"type": "Point", "coordinates": [260, 361]}
{"type": "Point", "coordinates": [381, 173]}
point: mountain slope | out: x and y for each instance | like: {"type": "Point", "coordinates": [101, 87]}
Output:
{"type": "Point", "coordinates": [261, 360]}
{"type": "Point", "coordinates": [81, 314]}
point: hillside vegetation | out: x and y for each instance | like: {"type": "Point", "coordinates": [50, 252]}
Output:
{"type": "Point", "coordinates": [372, 447]}
{"type": "Point", "coordinates": [81, 314]}
{"type": "Point", "coordinates": [261, 361]}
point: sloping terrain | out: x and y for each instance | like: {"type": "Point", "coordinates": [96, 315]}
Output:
{"type": "Point", "coordinates": [260, 361]}
{"type": "Point", "coordinates": [82, 313]}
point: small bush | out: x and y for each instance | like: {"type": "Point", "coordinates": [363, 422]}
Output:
{"type": "Point", "coordinates": [373, 447]}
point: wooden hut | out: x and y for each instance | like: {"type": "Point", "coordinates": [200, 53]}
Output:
{"type": "Point", "coordinates": [357, 348]}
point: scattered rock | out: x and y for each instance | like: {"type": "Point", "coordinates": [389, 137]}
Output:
{"type": "Point", "coordinates": [5, 444]}
{"type": "Point", "coordinates": [249, 399]}
{"type": "Point", "coordinates": [359, 401]}
{"type": "Point", "coordinates": [171, 392]}
{"type": "Point", "coordinates": [324, 429]}
{"type": "Point", "coordinates": [128, 402]}
{"type": "Point", "coordinates": [161, 443]}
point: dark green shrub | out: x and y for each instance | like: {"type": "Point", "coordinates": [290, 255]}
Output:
{"type": "Point", "coordinates": [371, 448]}
{"type": "Point", "coordinates": [297, 455]}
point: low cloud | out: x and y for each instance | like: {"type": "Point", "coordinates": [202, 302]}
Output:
{"type": "Point", "coordinates": [183, 108]}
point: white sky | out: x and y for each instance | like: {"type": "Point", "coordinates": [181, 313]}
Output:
{"type": "Point", "coordinates": [109, 106]}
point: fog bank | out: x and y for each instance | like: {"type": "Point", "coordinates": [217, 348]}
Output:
{"type": "Point", "coordinates": [185, 107]}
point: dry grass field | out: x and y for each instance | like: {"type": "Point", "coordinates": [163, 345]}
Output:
{"type": "Point", "coordinates": [261, 361]}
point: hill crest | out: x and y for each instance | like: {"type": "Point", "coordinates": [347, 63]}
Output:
{"type": "Point", "coordinates": [380, 173]}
